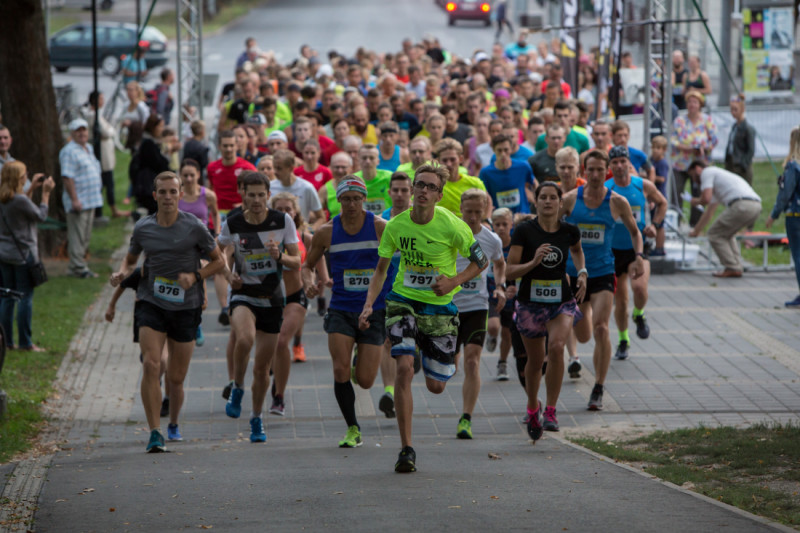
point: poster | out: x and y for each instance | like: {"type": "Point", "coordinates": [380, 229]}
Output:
{"type": "Point", "coordinates": [767, 43]}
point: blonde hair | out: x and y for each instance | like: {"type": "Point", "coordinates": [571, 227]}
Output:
{"type": "Point", "coordinates": [474, 194]}
{"type": "Point", "coordinates": [298, 216]}
{"type": "Point", "coordinates": [12, 179]}
{"type": "Point", "coordinates": [567, 152]}
{"type": "Point", "coordinates": [794, 147]}
{"type": "Point", "coordinates": [502, 212]}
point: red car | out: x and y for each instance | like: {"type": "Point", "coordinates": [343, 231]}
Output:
{"type": "Point", "coordinates": [468, 10]}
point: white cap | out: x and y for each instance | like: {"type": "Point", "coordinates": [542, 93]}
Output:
{"type": "Point", "coordinates": [325, 70]}
{"type": "Point", "coordinates": [535, 76]}
{"type": "Point", "coordinates": [77, 124]}
{"type": "Point", "coordinates": [277, 134]}
{"type": "Point", "coordinates": [481, 56]}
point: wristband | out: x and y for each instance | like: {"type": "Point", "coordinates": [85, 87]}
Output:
{"type": "Point", "coordinates": [658, 225]}
{"type": "Point", "coordinates": [640, 254]}
{"type": "Point", "coordinates": [583, 271]}
{"type": "Point", "coordinates": [197, 276]}
{"type": "Point", "coordinates": [280, 256]}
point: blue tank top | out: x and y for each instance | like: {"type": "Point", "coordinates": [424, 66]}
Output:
{"type": "Point", "coordinates": [597, 227]}
{"type": "Point", "coordinates": [353, 259]}
{"type": "Point", "coordinates": [634, 193]}
{"type": "Point", "coordinates": [390, 164]}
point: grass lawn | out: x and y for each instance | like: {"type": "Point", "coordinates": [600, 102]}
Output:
{"type": "Point", "coordinates": [58, 308]}
{"type": "Point", "coordinates": [756, 469]}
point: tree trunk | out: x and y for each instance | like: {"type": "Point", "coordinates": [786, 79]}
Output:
{"type": "Point", "coordinates": [27, 99]}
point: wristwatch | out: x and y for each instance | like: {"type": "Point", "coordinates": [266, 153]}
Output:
{"type": "Point", "coordinates": [640, 254]}
{"type": "Point", "coordinates": [197, 276]}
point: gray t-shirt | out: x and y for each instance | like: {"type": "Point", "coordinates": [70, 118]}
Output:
{"type": "Point", "coordinates": [474, 295]}
{"type": "Point", "coordinates": [306, 194]}
{"type": "Point", "coordinates": [22, 216]}
{"type": "Point", "coordinates": [168, 252]}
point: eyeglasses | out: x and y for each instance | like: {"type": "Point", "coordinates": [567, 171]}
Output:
{"type": "Point", "coordinates": [421, 185]}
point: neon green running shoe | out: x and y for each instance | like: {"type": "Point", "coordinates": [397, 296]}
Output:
{"type": "Point", "coordinates": [464, 429]}
{"type": "Point", "coordinates": [352, 439]}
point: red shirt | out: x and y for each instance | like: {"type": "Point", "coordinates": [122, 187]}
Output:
{"type": "Point", "coordinates": [327, 148]}
{"type": "Point", "coordinates": [223, 181]}
{"type": "Point", "coordinates": [318, 178]}
{"type": "Point", "coordinates": [566, 90]}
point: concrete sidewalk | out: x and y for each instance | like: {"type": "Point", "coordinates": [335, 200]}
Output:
{"type": "Point", "coordinates": [722, 352]}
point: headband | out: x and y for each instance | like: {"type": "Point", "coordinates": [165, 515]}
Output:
{"type": "Point", "coordinates": [351, 185]}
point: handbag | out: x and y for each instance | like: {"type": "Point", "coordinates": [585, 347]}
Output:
{"type": "Point", "coordinates": [38, 274]}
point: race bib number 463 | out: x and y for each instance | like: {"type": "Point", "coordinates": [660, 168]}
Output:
{"type": "Point", "coordinates": [420, 278]}
{"type": "Point", "coordinates": [168, 290]}
{"type": "Point", "coordinates": [592, 233]}
{"type": "Point", "coordinates": [472, 286]}
{"type": "Point", "coordinates": [358, 280]}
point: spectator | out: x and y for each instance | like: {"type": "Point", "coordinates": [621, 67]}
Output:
{"type": "Point", "coordinates": [108, 155]}
{"type": "Point", "coordinates": [500, 12]}
{"type": "Point", "coordinates": [694, 137]}
{"type": "Point", "coordinates": [134, 67]}
{"type": "Point", "coordinates": [196, 148]}
{"type": "Point", "coordinates": [137, 110]}
{"type": "Point", "coordinates": [5, 146]}
{"type": "Point", "coordinates": [164, 101]}
{"type": "Point", "coordinates": [679, 72]}
{"type": "Point", "coordinates": [696, 78]}
{"type": "Point", "coordinates": [788, 202]}
{"type": "Point", "coordinates": [520, 46]}
{"type": "Point", "coordinates": [658, 149]}
{"type": "Point", "coordinates": [19, 247]}
{"type": "Point", "coordinates": [150, 162]}
{"type": "Point", "coordinates": [741, 142]}
{"type": "Point", "coordinates": [80, 171]}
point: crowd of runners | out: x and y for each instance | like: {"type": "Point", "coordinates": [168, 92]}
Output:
{"type": "Point", "coordinates": [431, 206]}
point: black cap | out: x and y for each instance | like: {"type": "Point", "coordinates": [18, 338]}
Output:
{"type": "Point", "coordinates": [618, 151]}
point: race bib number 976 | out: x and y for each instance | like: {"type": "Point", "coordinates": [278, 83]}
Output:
{"type": "Point", "coordinates": [168, 290]}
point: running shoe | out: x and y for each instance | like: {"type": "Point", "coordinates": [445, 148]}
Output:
{"type": "Point", "coordinates": [464, 429]}
{"type": "Point", "coordinates": [502, 371]}
{"type": "Point", "coordinates": [278, 407]}
{"type": "Point", "coordinates": [794, 304]}
{"type": "Point", "coordinates": [199, 339]}
{"type": "Point", "coordinates": [491, 343]}
{"type": "Point", "coordinates": [234, 406]}
{"type": "Point", "coordinates": [321, 305]}
{"type": "Point", "coordinates": [526, 417]}
{"type": "Point", "coordinates": [596, 398]}
{"type": "Point", "coordinates": [535, 428]}
{"type": "Point", "coordinates": [386, 405]}
{"type": "Point", "coordinates": [352, 439]}
{"type": "Point", "coordinates": [550, 421]}
{"type": "Point", "coordinates": [224, 318]}
{"type": "Point", "coordinates": [156, 444]}
{"type": "Point", "coordinates": [257, 430]}
{"type": "Point", "coordinates": [299, 354]}
{"type": "Point", "coordinates": [173, 433]}
{"type": "Point", "coordinates": [574, 368]}
{"type": "Point", "coordinates": [226, 391]}
{"type": "Point", "coordinates": [622, 351]}
{"type": "Point", "coordinates": [164, 407]}
{"type": "Point", "coordinates": [642, 329]}
{"type": "Point", "coordinates": [406, 461]}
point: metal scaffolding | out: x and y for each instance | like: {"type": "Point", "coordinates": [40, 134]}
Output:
{"type": "Point", "coordinates": [189, 42]}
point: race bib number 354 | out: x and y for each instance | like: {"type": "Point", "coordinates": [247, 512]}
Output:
{"type": "Point", "coordinates": [420, 278]}
{"type": "Point", "coordinates": [259, 264]}
{"type": "Point", "coordinates": [168, 290]}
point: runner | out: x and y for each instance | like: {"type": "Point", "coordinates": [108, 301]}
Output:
{"type": "Point", "coordinates": [594, 209]}
{"type": "Point", "coordinates": [545, 305]}
{"type": "Point", "coordinates": [294, 313]}
{"type": "Point", "coordinates": [501, 323]}
{"type": "Point", "coordinates": [255, 236]}
{"type": "Point", "coordinates": [509, 182]}
{"type": "Point", "coordinates": [640, 193]}
{"type": "Point", "coordinates": [472, 302]}
{"type": "Point", "coordinates": [170, 297]}
{"type": "Point", "coordinates": [376, 180]}
{"type": "Point", "coordinates": [420, 311]}
{"type": "Point", "coordinates": [352, 238]}
{"type": "Point", "coordinates": [286, 181]}
{"type": "Point", "coordinates": [341, 166]}
{"type": "Point", "coordinates": [448, 153]}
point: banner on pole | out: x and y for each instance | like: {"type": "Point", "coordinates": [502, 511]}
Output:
{"type": "Point", "coordinates": [569, 43]}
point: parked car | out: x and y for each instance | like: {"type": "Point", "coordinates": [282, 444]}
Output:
{"type": "Point", "coordinates": [72, 46]}
{"type": "Point", "coordinates": [468, 10]}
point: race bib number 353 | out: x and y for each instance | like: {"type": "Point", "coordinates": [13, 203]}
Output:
{"type": "Point", "coordinates": [358, 280]}
{"type": "Point", "coordinates": [420, 278]}
{"type": "Point", "coordinates": [168, 290]}
{"type": "Point", "coordinates": [592, 233]}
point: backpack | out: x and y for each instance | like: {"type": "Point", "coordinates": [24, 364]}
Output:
{"type": "Point", "coordinates": [151, 97]}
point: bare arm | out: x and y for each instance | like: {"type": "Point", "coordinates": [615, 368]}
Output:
{"type": "Point", "coordinates": [213, 211]}
{"type": "Point", "coordinates": [654, 195]}
{"type": "Point", "coordinates": [125, 269]}
{"type": "Point", "coordinates": [320, 242]}
{"type": "Point", "coordinates": [375, 286]}
{"type": "Point", "coordinates": [316, 219]}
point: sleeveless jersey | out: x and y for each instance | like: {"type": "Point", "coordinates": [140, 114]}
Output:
{"type": "Point", "coordinates": [353, 259]}
{"type": "Point", "coordinates": [596, 227]}
{"type": "Point", "coordinates": [390, 164]}
{"type": "Point", "coordinates": [198, 208]}
{"type": "Point", "coordinates": [634, 193]}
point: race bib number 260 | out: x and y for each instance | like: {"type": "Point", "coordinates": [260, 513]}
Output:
{"type": "Point", "coordinates": [592, 233]}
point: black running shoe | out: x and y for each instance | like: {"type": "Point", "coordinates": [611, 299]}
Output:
{"type": "Point", "coordinates": [544, 368]}
{"type": "Point", "coordinates": [535, 428]}
{"type": "Point", "coordinates": [224, 318]}
{"type": "Point", "coordinates": [596, 398]}
{"type": "Point", "coordinates": [574, 368]}
{"type": "Point", "coordinates": [386, 405]}
{"type": "Point", "coordinates": [406, 461]}
{"type": "Point", "coordinates": [622, 351]}
{"type": "Point", "coordinates": [642, 329]}
{"type": "Point", "coordinates": [226, 392]}
{"type": "Point", "coordinates": [165, 407]}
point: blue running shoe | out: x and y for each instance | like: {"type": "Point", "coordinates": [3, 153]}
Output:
{"type": "Point", "coordinates": [156, 444]}
{"type": "Point", "coordinates": [199, 339]}
{"type": "Point", "coordinates": [257, 430]}
{"type": "Point", "coordinates": [173, 433]}
{"type": "Point", "coordinates": [234, 406]}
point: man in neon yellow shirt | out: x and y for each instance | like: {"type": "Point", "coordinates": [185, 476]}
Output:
{"type": "Point", "coordinates": [420, 313]}
{"type": "Point", "coordinates": [448, 153]}
{"type": "Point", "coordinates": [377, 180]}
{"type": "Point", "coordinates": [419, 149]}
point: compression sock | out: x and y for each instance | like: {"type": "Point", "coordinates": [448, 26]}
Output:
{"type": "Point", "coordinates": [346, 398]}
{"type": "Point", "coordinates": [623, 336]}
{"type": "Point", "coordinates": [637, 312]}
{"type": "Point", "coordinates": [521, 361]}
{"type": "Point", "coordinates": [389, 389]}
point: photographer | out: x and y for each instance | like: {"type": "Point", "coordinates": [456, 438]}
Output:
{"type": "Point", "coordinates": [19, 247]}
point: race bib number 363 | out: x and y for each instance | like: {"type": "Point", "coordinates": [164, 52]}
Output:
{"type": "Point", "coordinates": [546, 291]}
{"type": "Point", "coordinates": [358, 280]}
{"type": "Point", "coordinates": [168, 290]}
{"type": "Point", "coordinates": [592, 233]}
{"type": "Point", "coordinates": [375, 206]}
{"type": "Point", "coordinates": [420, 278]}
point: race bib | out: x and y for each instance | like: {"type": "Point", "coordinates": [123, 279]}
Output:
{"type": "Point", "coordinates": [358, 280]}
{"type": "Point", "coordinates": [546, 291]}
{"type": "Point", "coordinates": [168, 290]}
{"type": "Point", "coordinates": [592, 233]}
{"type": "Point", "coordinates": [472, 286]}
{"type": "Point", "coordinates": [259, 265]}
{"type": "Point", "coordinates": [508, 198]}
{"type": "Point", "coordinates": [420, 278]}
{"type": "Point", "coordinates": [375, 205]}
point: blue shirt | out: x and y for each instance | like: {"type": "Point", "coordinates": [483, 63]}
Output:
{"type": "Point", "coordinates": [514, 49]}
{"type": "Point", "coordinates": [390, 164]}
{"type": "Point", "coordinates": [507, 187]}
{"type": "Point", "coordinates": [597, 226]}
{"type": "Point", "coordinates": [520, 155]}
{"type": "Point", "coordinates": [638, 159]}
{"type": "Point", "coordinates": [135, 66]}
{"type": "Point", "coordinates": [80, 165]}
{"type": "Point", "coordinates": [634, 193]}
{"type": "Point", "coordinates": [662, 170]}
